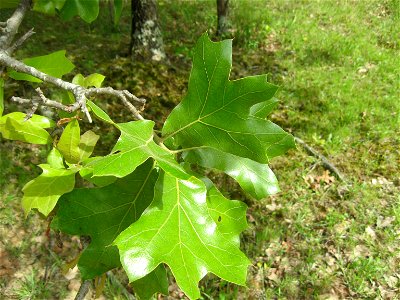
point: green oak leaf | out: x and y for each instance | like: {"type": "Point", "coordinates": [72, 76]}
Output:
{"type": "Point", "coordinates": [99, 113]}
{"type": "Point", "coordinates": [25, 131]}
{"type": "Point", "coordinates": [87, 10]}
{"type": "Point", "coordinates": [263, 109]}
{"type": "Point", "coordinates": [87, 174]}
{"type": "Point", "coordinates": [55, 159]}
{"type": "Point", "coordinates": [155, 282]}
{"type": "Point", "coordinates": [1, 96]}
{"type": "Point", "coordinates": [103, 213]}
{"type": "Point", "coordinates": [69, 142]}
{"type": "Point", "coordinates": [255, 178]}
{"type": "Point", "coordinates": [35, 120]}
{"type": "Point", "coordinates": [87, 143]}
{"type": "Point", "coordinates": [229, 215]}
{"type": "Point", "coordinates": [54, 64]}
{"type": "Point", "coordinates": [216, 111]}
{"type": "Point", "coordinates": [135, 146]}
{"type": "Point", "coordinates": [178, 230]}
{"type": "Point", "coordinates": [44, 191]}
{"type": "Point", "coordinates": [48, 7]}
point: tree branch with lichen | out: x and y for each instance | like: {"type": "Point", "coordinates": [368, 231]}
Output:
{"type": "Point", "coordinates": [81, 94]}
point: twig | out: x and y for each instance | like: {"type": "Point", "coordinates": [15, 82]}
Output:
{"type": "Point", "coordinates": [20, 41]}
{"type": "Point", "coordinates": [48, 103]}
{"type": "Point", "coordinates": [324, 161]}
{"type": "Point", "coordinates": [83, 290]}
{"type": "Point", "coordinates": [12, 24]}
{"type": "Point", "coordinates": [80, 93]}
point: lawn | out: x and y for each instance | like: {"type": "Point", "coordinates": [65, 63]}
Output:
{"type": "Point", "coordinates": [337, 63]}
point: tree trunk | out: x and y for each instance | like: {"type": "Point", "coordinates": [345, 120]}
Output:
{"type": "Point", "coordinates": [222, 12]}
{"type": "Point", "coordinates": [146, 37]}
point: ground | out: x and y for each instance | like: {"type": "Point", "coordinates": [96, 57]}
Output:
{"type": "Point", "coordinates": [337, 63]}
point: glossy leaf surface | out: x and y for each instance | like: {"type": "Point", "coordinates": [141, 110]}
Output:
{"type": "Point", "coordinates": [216, 111]}
{"type": "Point", "coordinates": [69, 141]}
{"type": "Point", "coordinates": [99, 113]}
{"type": "Point", "coordinates": [255, 178]}
{"type": "Point", "coordinates": [36, 120]}
{"type": "Point", "coordinates": [87, 143]}
{"type": "Point", "coordinates": [229, 215]}
{"type": "Point", "coordinates": [54, 64]}
{"type": "Point", "coordinates": [135, 146]}
{"type": "Point", "coordinates": [26, 131]}
{"type": "Point", "coordinates": [155, 282]}
{"type": "Point", "coordinates": [178, 230]}
{"type": "Point", "coordinates": [55, 159]}
{"type": "Point", "coordinates": [44, 191]}
{"type": "Point", "coordinates": [102, 213]}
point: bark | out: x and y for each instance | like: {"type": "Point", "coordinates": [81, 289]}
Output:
{"type": "Point", "coordinates": [146, 36]}
{"type": "Point", "coordinates": [222, 12]}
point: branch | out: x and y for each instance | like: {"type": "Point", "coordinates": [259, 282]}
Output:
{"type": "Point", "coordinates": [13, 23]}
{"type": "Point", "coordinates": [83, 290]}
{"type": "Point", "coordinates": [80, 93]}
{"type": "Point", "coordinates": [20, 41]}
{"type": "Point", "coordinates": [324, 161]}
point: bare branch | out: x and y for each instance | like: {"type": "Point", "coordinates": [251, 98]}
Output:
{"type": "Point", "coordinates": [324, 161]}
{"type": "Point", "coordinates": [48, 103]}
{"type": "Point", "coordinates": [83, 290]}
{"type": "Point", "coordinates": [13, 23]}
{"type": "Point", "coordinates": [20, 41]}
{"type": "Point", "coordinates": [123, 95]}
{"type": "Point", "coordinates": [80, 93]}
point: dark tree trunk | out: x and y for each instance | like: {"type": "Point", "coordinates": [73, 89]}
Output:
{"type": "Point", "coordinates": [222, 12]}
{"type": "Point", "coordinates": [146, 37]}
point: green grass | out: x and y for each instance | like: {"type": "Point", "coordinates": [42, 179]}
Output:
{"type": "Point", "coordinates": [337, 63]}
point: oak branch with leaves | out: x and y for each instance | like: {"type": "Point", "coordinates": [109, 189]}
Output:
{"type": "Point", "coordinates": [146, 208]}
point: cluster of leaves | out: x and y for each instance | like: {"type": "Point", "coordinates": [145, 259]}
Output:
{"type": "Point", "coordinates": [144, 206]}
{"type": "Point", "coordinates": [67, 9]}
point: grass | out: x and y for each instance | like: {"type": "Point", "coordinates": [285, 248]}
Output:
{"type": "Point", "coordinates": [337, 65]}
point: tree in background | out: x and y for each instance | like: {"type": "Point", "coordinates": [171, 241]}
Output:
{"type": "Point", "coordinates": [146, 36]}
{"type": "Point", "coordinates": [222, 12]}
